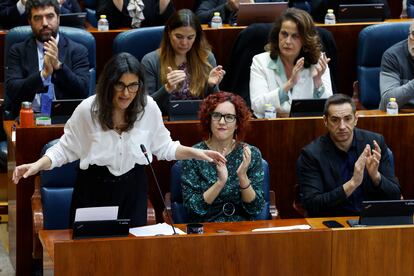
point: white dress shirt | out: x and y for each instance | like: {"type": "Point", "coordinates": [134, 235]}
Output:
{"type": "Point", "coordinates": [85, 139]}
{"type": "Point", "coordinates": [267, 78]}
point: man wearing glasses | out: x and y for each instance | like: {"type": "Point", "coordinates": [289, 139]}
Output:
{"type": "Point", "coordinates": [397, 73]}
{"type": "Point", "coordinates": [339, 170]}
{"type": "Point", "coordinates": [47, 65]}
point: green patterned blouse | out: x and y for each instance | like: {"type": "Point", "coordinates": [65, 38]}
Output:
{"type": "Point", "coordinates": [197, 176]}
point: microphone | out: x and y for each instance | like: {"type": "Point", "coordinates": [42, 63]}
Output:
{"type": "Point", "coordinates": [144, 151]}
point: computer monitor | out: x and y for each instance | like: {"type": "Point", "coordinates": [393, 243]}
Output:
{"type": "Point", "coordinates": [183, 110]}
{"type": "Point", "coordinates": [250, 13]}
{"type": "Point", "coordinates": [385, 212]}
{"type": "Point", "coordinates": [307, 107]}
{"type": "Point", "coordinates": [62, 110]}
{"type": "Point", "coordinates": [76, 20]}
{"type": "Point", "coordinates": [361, 13]}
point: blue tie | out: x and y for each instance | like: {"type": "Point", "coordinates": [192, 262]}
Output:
{"type": "Point", "coordinates": [46, 99]}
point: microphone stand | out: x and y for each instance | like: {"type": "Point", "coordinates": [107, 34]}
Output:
{"type": "Point", "coordinates": [144, 151]}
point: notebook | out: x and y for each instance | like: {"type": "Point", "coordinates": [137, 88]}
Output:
{"type": "Point", "coordinates": [361, 13]}
{"type": "Point", "coordinates": [182, 110]}
{"type": "Point", "coordinates": [385, 212]}
{"type": "Point", "coordinates": [63, 109]}
{"type": "Point", "coordinates": [307, 107]}
{"type": "Point", "coordinates": [76, 20]}
{"type": "Point", "coordinates": [250, 13]}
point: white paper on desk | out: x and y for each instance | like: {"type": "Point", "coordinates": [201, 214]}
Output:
{"type": "Point", "coordinates": [283, 228]}
{"type": "Point", "coordinates": [96, 213]}
{"type": "Point", "coordinates": [155, 230]}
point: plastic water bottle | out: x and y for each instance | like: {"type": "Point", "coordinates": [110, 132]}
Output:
{"type": "Point", "coordinates": [216, 21]}
{"type": "Point", "coordinates": [330, 17]}
{"type": "Point", "coordinates": [270, 111]}
{"type": "Point", "coordinates": [392, 107]}
{"type": "Point", "coordinates": [103, 24]}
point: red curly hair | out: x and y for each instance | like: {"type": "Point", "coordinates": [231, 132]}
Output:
{"type": "Point", "coordinates": [210, 103]}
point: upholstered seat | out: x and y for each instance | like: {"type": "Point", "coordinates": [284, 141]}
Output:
{"type": "Point", "coordinates": [179, 214]}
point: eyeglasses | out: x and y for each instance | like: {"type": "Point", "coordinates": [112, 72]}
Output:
{"type": "Point", "coordinates": [411, 34]}
{"type": "Point", "coordinates": [132, 87]}
{"type": "Point", "coordinates": [228, 118]}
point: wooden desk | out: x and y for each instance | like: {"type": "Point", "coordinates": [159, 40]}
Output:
{"type": "Point", "coordinates": [239, 252]}
{"type": "Point", "coordinates": [280, 141]}
{"type": "Point", "coordinates": [318, 251]}
{"type": "Point", "coordinates": [222, 40]}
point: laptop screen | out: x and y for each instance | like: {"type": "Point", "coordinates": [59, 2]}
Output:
{"type": "Point", "coordinates": [76, 20]}
{"type": "Point", "coordinates": [182, 110]}
{"type": "Point", "coordinates": [361, 13]}
{"type": "Point", "coordinates": [250, 13]}
{"type": "Point", "coordinates": [307, 107]}
{"type": "Point", "coordinates": [63, 109]}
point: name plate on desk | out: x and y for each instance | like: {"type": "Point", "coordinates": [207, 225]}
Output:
{"type": "Point", "coordinates": [100, 228]}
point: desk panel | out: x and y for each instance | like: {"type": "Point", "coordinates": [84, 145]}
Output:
{"type": "Point", "coordinates": [280, 141]}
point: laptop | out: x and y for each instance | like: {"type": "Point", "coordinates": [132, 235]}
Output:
{"type": "Point", "coordinates": [250, 13]}
{"type": "Point", "coordinates": [62, 110]}
{"type": "Point", "coordinates": [361, 13]}
{"type": "Point", "coordinates": [76, 20]}
{"type": "Point", "coordinates": [183, 110]}
{"type": "Point", "coordinates": [307, 107]}
{"type": "Point", "coordinates": [385, 212]}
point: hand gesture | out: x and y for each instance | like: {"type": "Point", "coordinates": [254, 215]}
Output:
{"type": "Point", "coordinates": [320, 69]}
{"type": "Point", "coordinates": [174, 77]}
{"type": "Point", "coordinates": [216, 76]}
{"type": "Point", "coordinates": [47, 67]}
{"type": "Point", "coordinates": [372, 163]}
{"type": "Point", "coordinates": [25, 171]}
{"type": "Point", "coordinates": [360, 166]}
{"type": "Point", "coordinates": [52, 53]}
{"type": "Point", "coordinates": [233, 4]}
{"type": "Point", "coordinates": [222, 173]}
{"type": "Point", "coordinates": [247, 158]}
{"type": "Point", "coordinates": [210, 156]}
{"type": "Point", "coordinates": [294, 77]}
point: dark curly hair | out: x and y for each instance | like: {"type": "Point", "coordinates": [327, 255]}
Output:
{"type": "Point", "coordinates": [210, 103]}
{"type": "Point", "coordinates": [35, 4]}
{"type": "Point", "coordinates": [103, 107]}
{"type": "Point", "coordinates": [311, 45]}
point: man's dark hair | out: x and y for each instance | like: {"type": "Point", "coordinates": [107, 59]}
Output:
{"type": "Point", "coordinates": [336, 99]}
{"type": "Point", "coordinates": [34, 4]}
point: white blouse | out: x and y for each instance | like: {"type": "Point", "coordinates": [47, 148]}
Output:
{"type": "Point", "coordinates": [85, 139]}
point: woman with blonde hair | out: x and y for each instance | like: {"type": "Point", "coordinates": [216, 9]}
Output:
{"type": "Point", "coordinates": [184, 66]}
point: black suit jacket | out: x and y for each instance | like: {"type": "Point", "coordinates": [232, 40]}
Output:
{"type": "Point", "coordinates": [320, 181]}
{"type": "Point", "coordinates": [23, 79]}
{"type": "Point", "coordinates": [10, 16]}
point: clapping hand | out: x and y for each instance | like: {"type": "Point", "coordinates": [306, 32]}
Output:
{"type": "Point", "coordinates": [294, 77]}
{"type": "Point", "coordinates": [247, 157]}
{"type": "Point", "coordinates": [216, 75]}
{"type": "Point", "coordinates": [373, 161]}
{"type": "Point", "coordinates": [320, 69]}
{"type": "Point", "coordinates": [174, 77]}
{"type": "Point", "coordinates": [52, 53]}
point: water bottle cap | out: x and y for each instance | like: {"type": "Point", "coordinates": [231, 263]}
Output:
{"type": "Point", "coordinates": [216, 14]}
{"type": "Point", "coordinates": [103, 16]}
{"type": "Point", "coordinates": [330, 10]}
{"type": "Point", "coordinates": [392, 99]}
{"type": "Point", "coordinates": [26, 105]}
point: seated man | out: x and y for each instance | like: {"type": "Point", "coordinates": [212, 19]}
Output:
{"type": "Point", "coordinates": [339, 170]}
{"type": "Point", "coordinates": [227, 9]}
{"type": "Point", "coordinates": [47, 65]}
{"type": "Point", "coordinates": [396, 77]}
{"type": "Point", "coordinates": [13, 12]}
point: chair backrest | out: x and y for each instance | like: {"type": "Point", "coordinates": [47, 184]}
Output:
{"type": "Point", "coordinates": [19, 34]}
{"type": "Point", "coordinates": [56, 188]}
{"type": "Point", "coordinates": [179, 213]}
{"type": "Point", "coordinates": [138, 42]}
{"type": "Point", "coordinates": [373, 41]}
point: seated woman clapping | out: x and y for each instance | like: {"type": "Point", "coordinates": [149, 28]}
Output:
{"type": "Point", "coordinates": [184, 66]}
{"type": "Point", "coordinates": [231, 191]}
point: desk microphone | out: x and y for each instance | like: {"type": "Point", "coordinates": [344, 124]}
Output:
{"type": "Point", "coordinates": [144, 151]}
